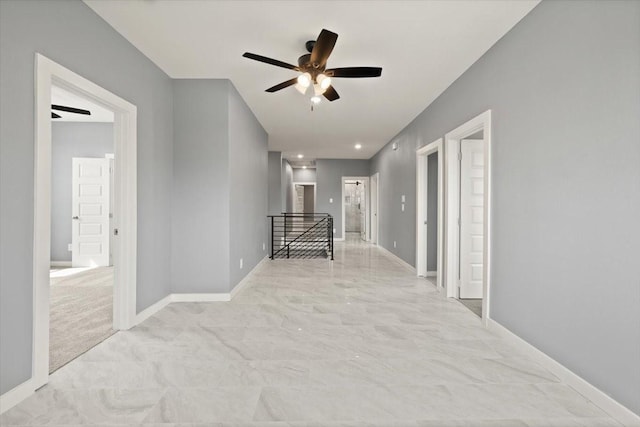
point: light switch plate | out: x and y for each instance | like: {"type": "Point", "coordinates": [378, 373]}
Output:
{"type": "Point", "coordinates": [403, 199]}
{"type": "Point", "coordinates": [330, 200]}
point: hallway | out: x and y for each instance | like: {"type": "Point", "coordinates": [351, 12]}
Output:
{"type": "Point", "coordinates": [360, 341]}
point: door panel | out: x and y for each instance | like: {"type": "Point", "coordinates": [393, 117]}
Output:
{"type": "Point", "coordinates": [471, 218]}
{"type": "Point", "coordinates": [90, 212]}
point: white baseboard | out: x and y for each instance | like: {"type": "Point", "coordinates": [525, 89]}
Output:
{"type": "Point", "coordinates": [60, 264]}
{"type": "Point", "coordinates": [338, 239]}
{"type": "Point", "coordinates": [245, 280]}
{"type": "Point", "coordinates": [16, 395]}
{"type": "Point", "coordinates": [213, 297]}
{"type": "Point", "coordinates": [397, 258]}
{"type": "Point", "coordinates": [432, 274]}
{"type": "Point", "coordinates": [201, 297]}
{"type": "Point", "coordinates": [152, 309]}
{"type": "Point", "coordinates": [595, 395]}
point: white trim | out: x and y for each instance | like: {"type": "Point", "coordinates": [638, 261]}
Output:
{"type": "Point", "coordinates": [452, 148]}
{"type": "Point", "coordinates": [16, 395]}
{"type": "Point", "coordinates": [212, 297]}
{"type": "Point", "coordinates": [432, 274]}
{"type": "Point", "coordinates": [421, 210]}
{"type": "Point", "coordinates": [47, 73]}
{"type": "Point", "coordinates": [396, 258]}
{"type": "Point", "coordinates": [338, 239]}
{"type": "Point", "coordinates": [588, 390]}
{"type": "Point", "coordinates": [153, 309]}
{"type": "Point", "coordinates": [64, 264]}
{"type": "Point", "coordinates": [367, 198]}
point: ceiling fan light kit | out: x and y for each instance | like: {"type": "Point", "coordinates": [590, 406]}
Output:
{"type": "Point", "coordinates": [312, 67]}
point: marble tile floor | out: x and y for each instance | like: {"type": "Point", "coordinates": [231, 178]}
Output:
{"type": "Point", "coordinates": [357, 342]}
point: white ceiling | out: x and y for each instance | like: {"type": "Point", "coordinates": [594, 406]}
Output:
{"type": "Point", "coordinates": [422, 46]}
{"type": "Point", "coordinates": [60, 96]}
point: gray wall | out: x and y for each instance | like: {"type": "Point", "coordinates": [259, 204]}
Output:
{"type": "Point", "coordinates": [69, 140]}
{"type": "Point", "coordinates": [220, 191]}
{"type": "Point", "coordinates": [200, 230]}
{"type": "Point", "coordinates": [329, 173]}
{"type": "Point", "coordinates": [432, 212]}
{"type": "Point", "coordinates": [106, 58]}
{"type": "Point", "coordinates": [275, 182]}
{"type": "Point", "coordinates": [304, 175]}
{"type": "Point", "coordinates": [564, 90]}
{"type": "Point", "coordinates": [248, 163]}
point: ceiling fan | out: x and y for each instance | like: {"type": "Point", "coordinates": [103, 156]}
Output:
{"type": "Point", "coordinates": [312, 67]}
{"type": "Point", "coordinates": [67, 110]}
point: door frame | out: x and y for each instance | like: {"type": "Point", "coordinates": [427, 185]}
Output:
{"type": "Point", "coordinates": [47, 73]}
{"type": "Point", "coordinates": [367, 198]}
{"type": "Point", "coordinates": [421, 210]}
{"type": "Point", "coordinates": [452, 149]}
{"type": "Point", "coordinates": [375, 229]}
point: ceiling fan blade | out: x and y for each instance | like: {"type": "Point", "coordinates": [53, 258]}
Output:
{"type": "Point", "coordinates": [283, 85]}
{"type": "Point", "coordinates": [323, 47]}
{"type": "Point", "coordinates": [270, 61]}
{"type": "Point", "coordinates": [55, 116]}
{"type": "Point", "coordinates": [331, 94]}
{"type": "Point", "coordinates": [70, 109]}
{"type": "Point", "coordinates": [354, 72]}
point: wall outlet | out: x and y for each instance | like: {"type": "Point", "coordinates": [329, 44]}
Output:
{"type": "Point", "coordinates": [394, 244]}
{"type": "Point", "coordinates": [403, 199]}
{"type": "Point", "coordinates": [70, 247]}
{"type": "Point", "coordinates": [402, 207]}
{"type": "Point", "coordinates": [241, 263]}
{"type": "Point", "coordinates": [330, 200]}
{"type": "Point", "coordinates": [264, 246]}
{"type": "Point", "coordinates": [334, 231]}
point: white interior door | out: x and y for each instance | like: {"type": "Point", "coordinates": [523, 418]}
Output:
{"type": "Point", "coordinates": [90, 212]}
{"type": "Point", "coordinates": [471, 217]}
{"type": "Point", "coordinates": [374, 209]}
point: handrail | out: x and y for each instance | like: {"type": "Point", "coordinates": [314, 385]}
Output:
{"type": "Point", "coordinates": [288, 245]}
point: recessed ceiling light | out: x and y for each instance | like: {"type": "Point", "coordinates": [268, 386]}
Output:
{"type": "Point", "coordinates": [358, 146]}
{"type": "Point", "coordinates": [300, 156]}
{"type": "Point", "coordinates": [304, 167]}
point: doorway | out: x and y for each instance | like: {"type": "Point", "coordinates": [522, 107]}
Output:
{"type": "Point", "coordinates": [81, 276]}
{"type": "Point", "coordinates": [48, 75]}
{"type": "Point", "coordinates": [468, 220]}
{"type": "Point", "coordinates": [355, 208]}
{"type": "Point", "coordinates": [430, 212]}
{"type": "Point", "coordinates": [305, 197]}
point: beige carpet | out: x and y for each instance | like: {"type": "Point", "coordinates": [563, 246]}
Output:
{"type": "Point", "coordinates": [81, 312]}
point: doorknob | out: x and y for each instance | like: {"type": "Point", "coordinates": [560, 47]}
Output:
{"type": "Point", "coordinates": [75, 217]}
